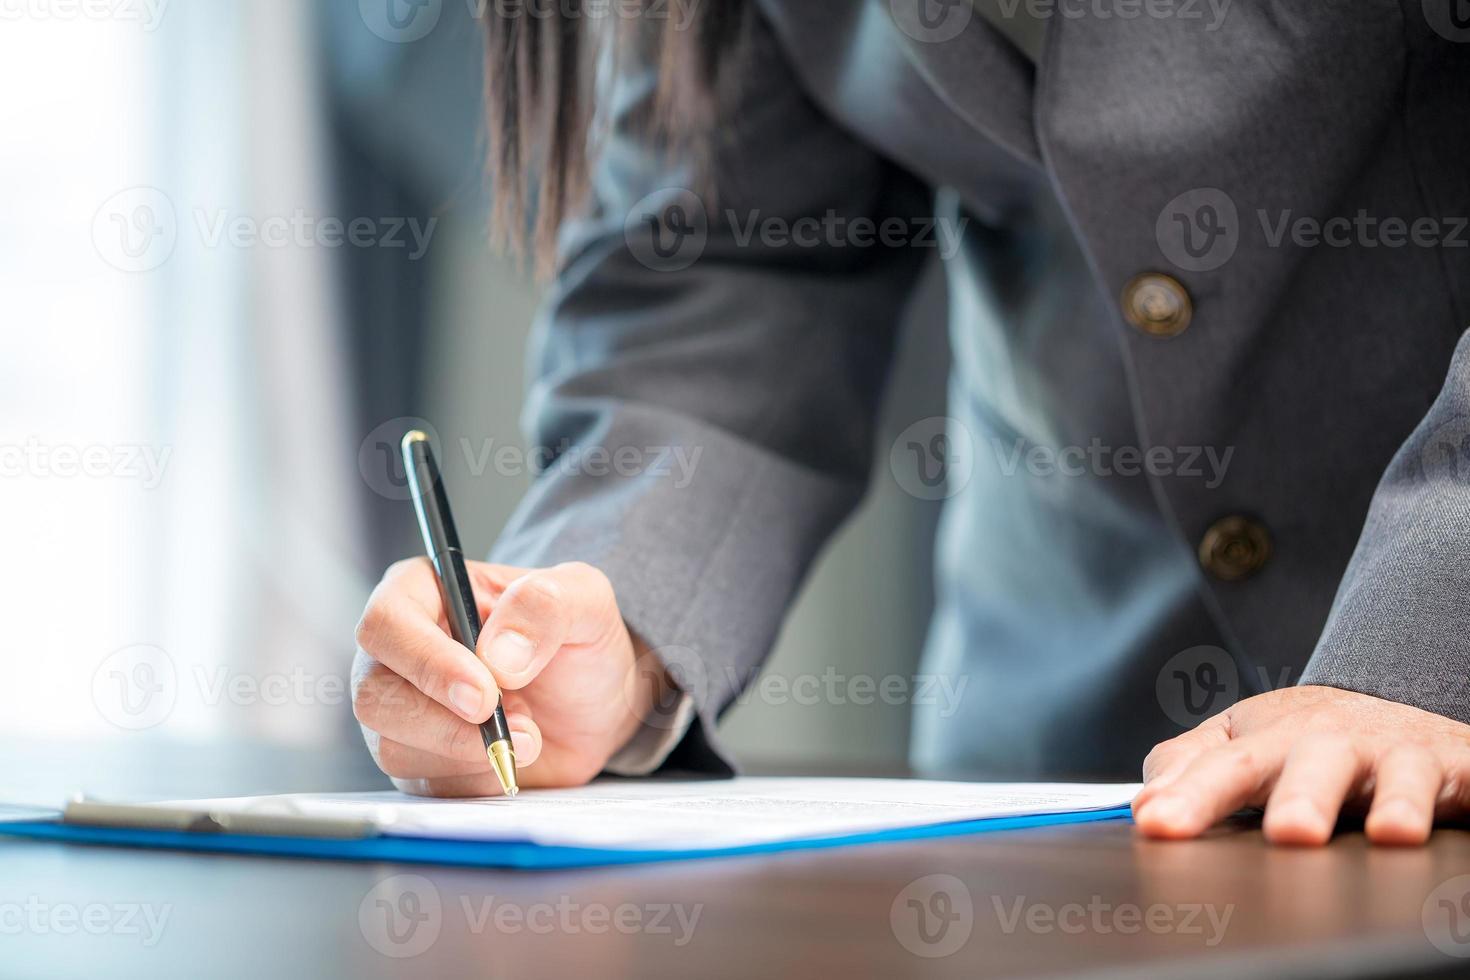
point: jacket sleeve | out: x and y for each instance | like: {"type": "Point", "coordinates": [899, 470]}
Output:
{"type": "Point", "coordinates": [706, 424]}
{"type": "Point", "coordinates": [1400, 624]}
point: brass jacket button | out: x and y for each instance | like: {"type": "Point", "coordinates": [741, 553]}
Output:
{"type": "Point", "coordinates": [1158, 305]}
{"type": "Point", "coordinates": [1234, 548]}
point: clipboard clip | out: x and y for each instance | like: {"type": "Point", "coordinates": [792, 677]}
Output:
{"type": "Point", "coordinates": [136, 816]}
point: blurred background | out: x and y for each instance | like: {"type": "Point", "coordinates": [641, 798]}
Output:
{"type": "Point", "coordinates": [244, 249]}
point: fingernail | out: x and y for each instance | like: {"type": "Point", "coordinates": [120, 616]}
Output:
{"type": "Point", "coordinates": [466, 699]}
{"type": "Point", "coordinates": [511, 652]}
{"type": "Point", "coordinates": [1168, 811]}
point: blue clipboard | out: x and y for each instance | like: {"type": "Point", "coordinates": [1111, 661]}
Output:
{"type": "Point", "coordinates": [523, 855]}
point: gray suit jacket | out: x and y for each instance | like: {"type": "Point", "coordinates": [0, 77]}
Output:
{"type": "Point", "coordinates": [1204, 143]}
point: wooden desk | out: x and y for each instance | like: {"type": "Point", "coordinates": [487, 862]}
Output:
{"type": "Point", "coordinates": [1083, 900]}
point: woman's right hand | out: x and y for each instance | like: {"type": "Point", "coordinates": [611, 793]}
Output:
{"type": "Point", "coordinates": [576, 688]}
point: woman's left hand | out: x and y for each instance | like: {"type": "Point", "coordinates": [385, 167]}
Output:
{"type": "Point", "coordinates": [1305, 753]}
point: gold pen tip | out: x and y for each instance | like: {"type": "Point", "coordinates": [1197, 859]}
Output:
{"type": "Point", "coordinates": [503, 761]}
{"type": "Point", "coordinates": [413, 436]}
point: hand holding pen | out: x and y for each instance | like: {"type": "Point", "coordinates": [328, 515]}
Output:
{"type": "Point", "coordinates": [554, 655]}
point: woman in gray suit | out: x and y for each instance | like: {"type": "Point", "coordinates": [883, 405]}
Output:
{"type": "Point", "coordinates": [1208, 277]}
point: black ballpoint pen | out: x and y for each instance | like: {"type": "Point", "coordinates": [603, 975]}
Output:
{"type": "Point", "coordinates": [442, 542]}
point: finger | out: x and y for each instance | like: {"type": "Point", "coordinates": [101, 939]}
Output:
{"type": "Point", "coordinates": [1407, 782]}
{"type": "Point", "coordinates": [1319, 772]}
{"type": "Point", "coordinates": [451, 787]}
{"type": "Point", "coordinates": [386, 704]}
{"type": "Point", "coordinates": [1169, 759]}
{"type": "Point", "coordinates": [389, 706]}
{"type": "Point", "coordinates": [415, 580]}
{"type": "Point", "coordinates": [541, 612]}
{"type": "Point", "coordinates": [489, 583]}
{"type": "Point", "coordinates": [409, 762]}
{"type": "Point", "coordinates": [403, 635]}
{"type": "Point", "coordinates": [1218, 782]}
{"type": "Point", "coordinates": [525, 738]}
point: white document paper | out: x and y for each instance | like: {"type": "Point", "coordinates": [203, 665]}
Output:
{"type": "Point", "coordinates": [695, 814]}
